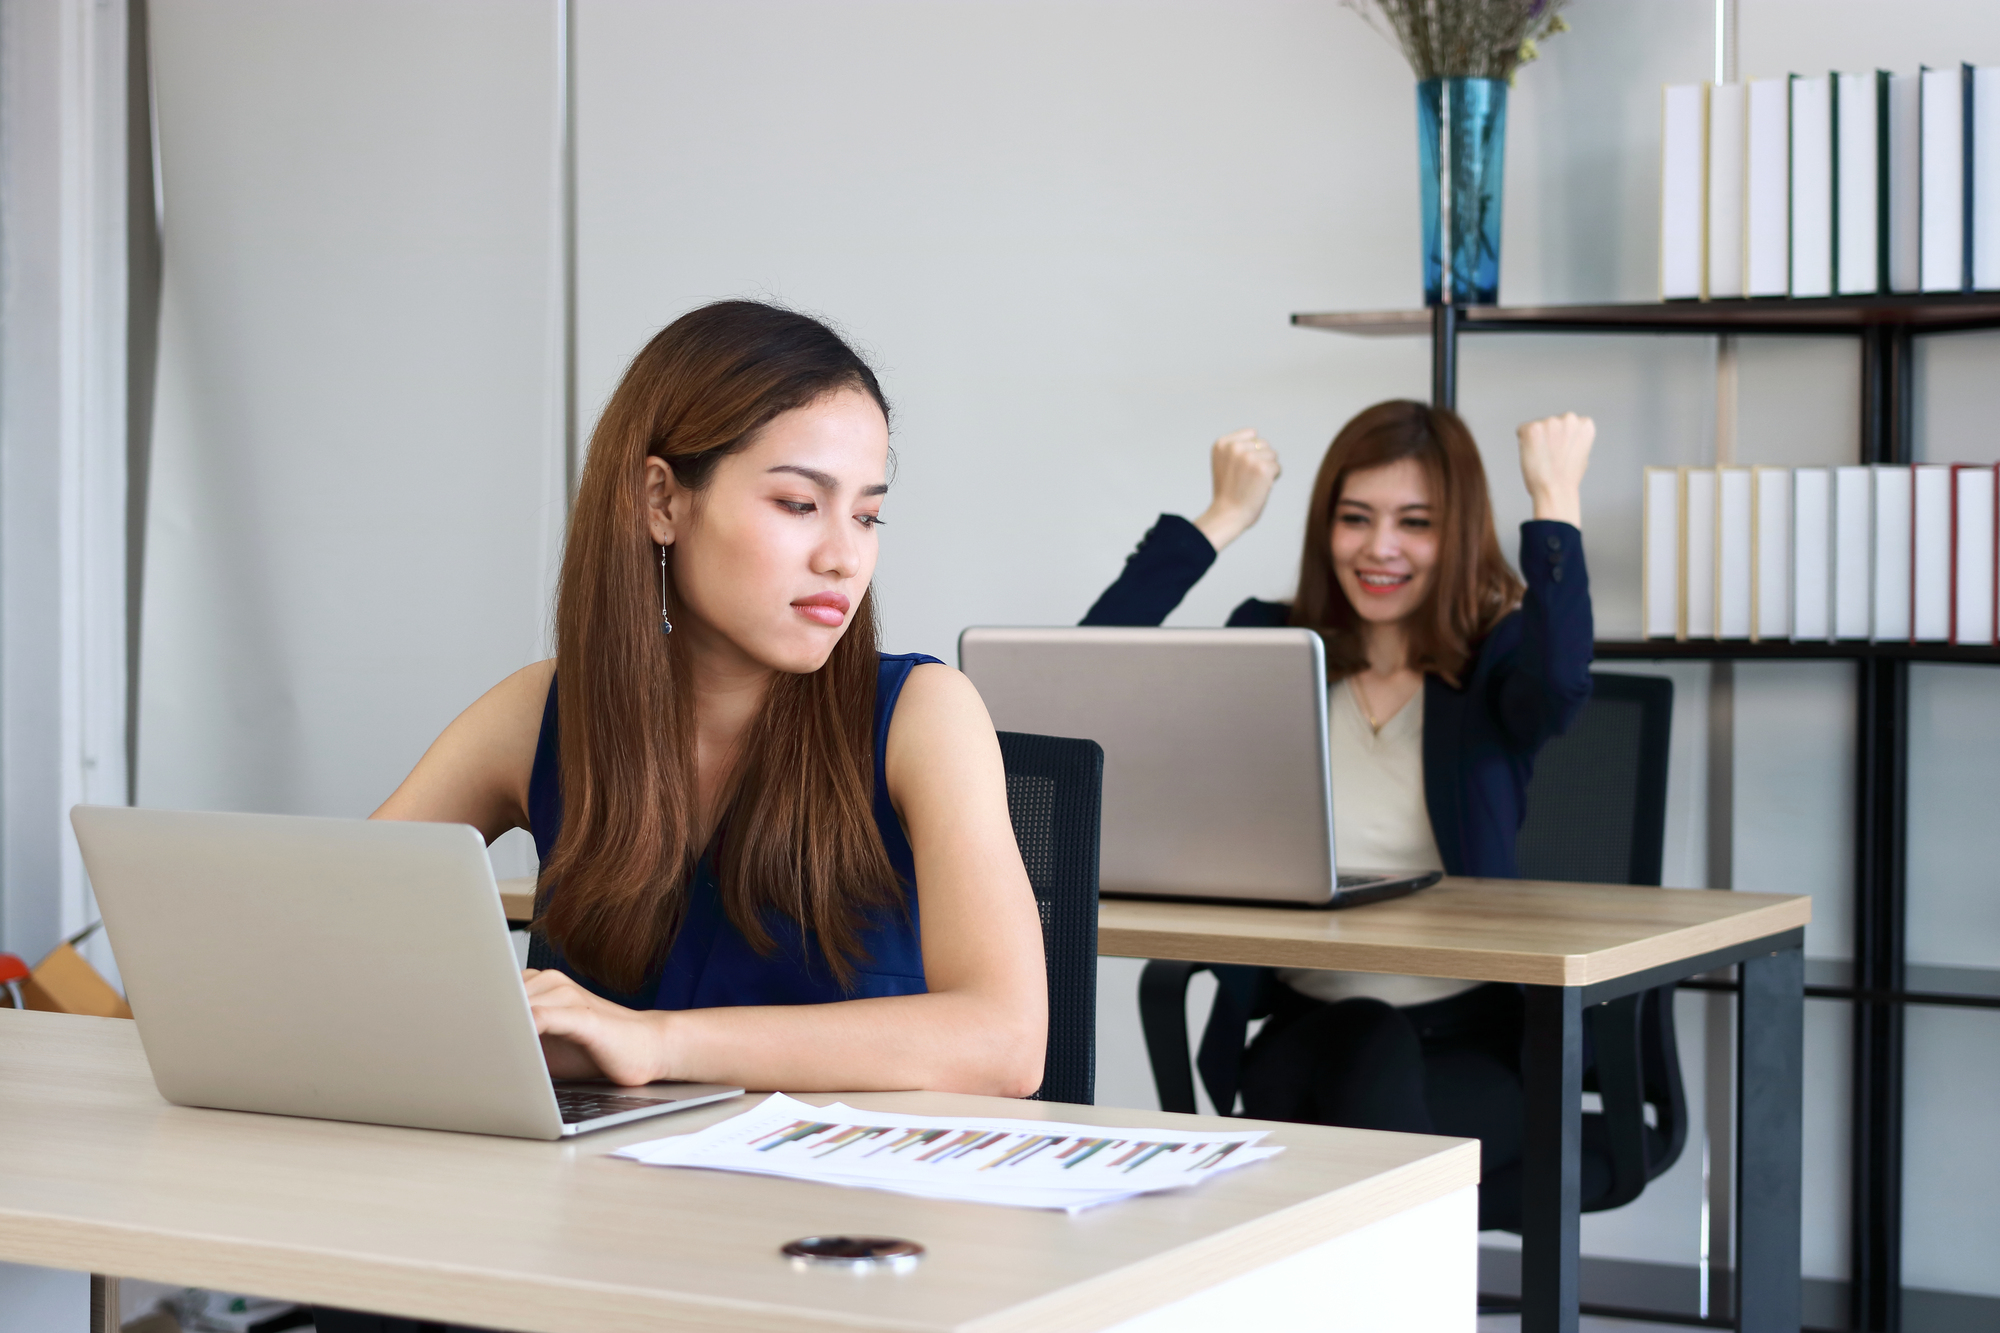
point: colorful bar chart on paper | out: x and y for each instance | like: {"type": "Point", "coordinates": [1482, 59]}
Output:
{"type": "Point", "coordinates": [1024, 1163]}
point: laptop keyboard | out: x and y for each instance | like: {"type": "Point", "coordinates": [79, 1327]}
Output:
{"type": "Point", "coordinates": [578, 1105]}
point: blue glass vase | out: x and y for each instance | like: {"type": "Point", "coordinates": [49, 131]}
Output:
{"type": "Point", "coordinates": [1461, 155]}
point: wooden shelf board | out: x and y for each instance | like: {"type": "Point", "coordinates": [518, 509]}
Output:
{"type": "Point", "coordinates": [1935, 313]}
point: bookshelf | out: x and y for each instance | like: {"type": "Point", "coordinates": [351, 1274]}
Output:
{"type": "Point", "coordinates": [1879, 983]}
{"type": "Point", "coordinates": [1743, 650]}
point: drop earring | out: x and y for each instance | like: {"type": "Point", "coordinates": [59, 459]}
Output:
{"type": "Point", "coordinates": [666, 625]}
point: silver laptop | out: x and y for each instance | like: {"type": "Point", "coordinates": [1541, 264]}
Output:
{"type": "Point", "coordinates": [1217, 783]}
{"type": "Point", "coordinates": [344, 969]}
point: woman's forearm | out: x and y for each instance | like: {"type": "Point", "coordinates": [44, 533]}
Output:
{"type": "Point", "coordinates": [1546, 681]}
{"type": "Point", "coordinates": [1170, 560]}
{"type": "Point", "coordinates": [1223, 522]}
{"type": "Point", "coordinates": [1559, 504]}
{"type": "Point", "coordinates": [943, 1042]}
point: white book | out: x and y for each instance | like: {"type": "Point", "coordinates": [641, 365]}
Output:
{"type": "Point", "coordinates": [1985, 185]}
{"type": "Point", "coordinates": [1930, 554]}
{"type": "Point", "coordinates": [1812, 187]}
{"type": "Point", "coordinates": [1812, 554]}
{"type": "Point", "coordinates": [1733, 526]}
{"type": "Point", "coordinates": [1767, 241]}
{"type": "Point", "coordinates": [1661, 574]}
{"type": "Point", "coordinates": [1857, 185]}
{"type": "Point", "coordinates": [1941, 192]}
{"type": "Point", "coordinates": [1972, 554]}
{"type": "Point", "coordinates": [1771, 552]}
{"type": "Point", "coordinates": [1904, 156]}
{"type": "Point", "coordinates": [1698, 550]}
{"type": "Point", "coordinates": [1891, 596]}
{"type": "Point", "coordinates": [1853, 548]}
{"type": "Point", "coordinates": [1683, 189]}
{"type": "Point", "coordinates": [1728, 128]}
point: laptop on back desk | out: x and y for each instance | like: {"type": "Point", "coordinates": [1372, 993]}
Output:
{"type": "Point", "coordinates": [1217, 781]}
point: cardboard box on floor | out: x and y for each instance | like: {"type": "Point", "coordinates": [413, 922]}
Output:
{"type": "Point", "coordinates": [65, 983]}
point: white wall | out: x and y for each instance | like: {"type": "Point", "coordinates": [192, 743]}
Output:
{"type": "Point", "coordinates": [62, 462]}
{"type": "Point", "coordinates": [1068, 234]}
{"type": "Point", "coordinates": [43, 1300]}
{"type": "Point", "coordinates": [357, 486]}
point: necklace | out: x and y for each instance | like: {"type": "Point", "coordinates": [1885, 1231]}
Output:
{"type": "Point", "coordinates": [1361, 697]}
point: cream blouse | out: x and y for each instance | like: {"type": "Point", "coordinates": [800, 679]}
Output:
{"type": "Point", "coordinates": [1380, 822]}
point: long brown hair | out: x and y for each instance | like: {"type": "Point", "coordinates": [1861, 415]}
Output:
{"type": "Point", "coordinates": [797, 835]}
{"type": "Point", "coordinates": [1471, 587]}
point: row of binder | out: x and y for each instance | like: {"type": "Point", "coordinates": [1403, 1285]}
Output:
{"type": "Point", "coordinates": [1833, 185]}
{"type": "Point", "coordinates": [1889, 553]}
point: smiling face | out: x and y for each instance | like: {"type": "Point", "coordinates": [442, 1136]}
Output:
{"type": "Point", "coordinates": [772, 556]}
{"type": "Point", "coordinates": [1385, 541]}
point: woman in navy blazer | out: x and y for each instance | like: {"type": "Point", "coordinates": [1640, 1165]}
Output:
{"type": "Point", "coordinates": [1401, 574]}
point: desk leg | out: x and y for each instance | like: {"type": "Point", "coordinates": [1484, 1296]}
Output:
{"type": "Point", "coordinates": [105, 1316]}
{"type": "Point", "coordinates": [1551, 1158]}
{"type": "Point", "coordinates": [1770, 1094]}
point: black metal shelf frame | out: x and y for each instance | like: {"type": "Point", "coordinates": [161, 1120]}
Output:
{"type": "Point", "coordinates": [1942, 999]}
{"type": "Point", "coordinates": [1885, 328]}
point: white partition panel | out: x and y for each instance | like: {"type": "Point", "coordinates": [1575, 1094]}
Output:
{"type": "Point", "coordinates": [63, 713]}
{"type": "Point", "coordinates": [357, 485]}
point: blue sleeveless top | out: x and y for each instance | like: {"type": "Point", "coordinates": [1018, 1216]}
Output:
{"type": "Point", "coordinates": [710, 964]}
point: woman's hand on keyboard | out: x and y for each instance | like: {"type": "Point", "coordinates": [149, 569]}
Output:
{"type": "Point", "coordinates": [586, 1036]}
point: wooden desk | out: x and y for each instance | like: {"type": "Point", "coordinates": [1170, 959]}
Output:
{"type": "Point", "coordinates": [1571, 946]}
{"type": "Point", "coordinates": [98, 1173]}
{"type": "Point", "coordinates": [1477, 929]}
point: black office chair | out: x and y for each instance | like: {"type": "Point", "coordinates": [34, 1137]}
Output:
{"type": "Point", "coordinates": [1054, 794]}
{"type": "Point", "coordinates": [1597, 810]}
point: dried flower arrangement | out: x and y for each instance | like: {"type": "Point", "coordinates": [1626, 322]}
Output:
{"type": "Point", "coordinates": [1481, 39]}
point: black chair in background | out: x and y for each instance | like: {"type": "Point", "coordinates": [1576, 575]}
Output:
{"type": "Point", "coordinates": [1055, 795]}
{"type": "Point", "coordinates": [1597, 811]}
{"type": "Point", "coordinates": [1597, 807]}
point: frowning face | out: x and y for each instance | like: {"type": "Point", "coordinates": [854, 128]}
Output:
{"type": "Point", "coordinates": [773, 555]}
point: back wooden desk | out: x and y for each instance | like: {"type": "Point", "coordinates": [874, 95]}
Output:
{"type": "Point", "coordinates": [1570, 946]}
{"type": "Point", "coordinates": [1346, 1230]}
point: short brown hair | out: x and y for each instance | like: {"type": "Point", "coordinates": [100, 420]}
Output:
{"type": "Point", "coordinates": [1472, 587]}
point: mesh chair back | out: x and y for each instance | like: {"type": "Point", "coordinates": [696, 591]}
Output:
{"type": "Point", "coordinates": [1597, 807]}
{"type": "Point", "coordinates": [1055, 794]}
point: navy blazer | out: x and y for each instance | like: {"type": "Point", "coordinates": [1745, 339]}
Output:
{"type": "Point", "coordinates": [1527, 681]}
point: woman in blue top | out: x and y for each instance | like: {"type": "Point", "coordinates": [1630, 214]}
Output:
{"type": "Point", "coordinates": [1447, 676]}
{"type": "Point", "coordinates": [744, 811]}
